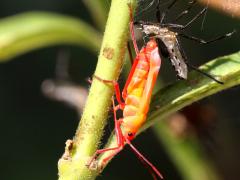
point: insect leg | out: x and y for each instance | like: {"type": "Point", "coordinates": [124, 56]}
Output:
{"type": "Point", "coordinates": [145, 161]}
{"type": "Point", "coordinates": [132, 29]}
{"type": "Point", "coordinates": [204, 73]}
{"type": "Point", "coordinates": [190, 5]}
{"type": "Point", "coordinates": [202, 41]}
{"type": "Point", "coordinates": [130, 52]}
{"type": "Point", "coordinates": [116, 87]}
{"type": "Point", "coordinates": [160, 17]}
{"type": "Point", "coordinates": [171, 25]}
{"type": "Point", "coordinates": [195, 68]}
{"type": "Point", "coordinates": [120, 141]}
{"type": "Point", "coordinates": [195, 18]}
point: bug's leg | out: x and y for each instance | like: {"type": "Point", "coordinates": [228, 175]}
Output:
{"type": "Point", "coordinates": [120, 142]}
{"type": "Point", "coordinates": [158, 13]}
{"type": "Point", "coordinates": [160, 17]}
{"type": "Point", "coordinates": [195, 68]}
{"type": "Point", "coordinates": [204, 73]}
{"type": "Point", "coordinates": [153, 170]}
{"type": "Point", "coordinates": [130, 52]}
{"type": "Point", "coordinates": [202, 41]}
{"type": "Point", "coordinates": [119, 136]}
{"type": "Point", "coordinates": [194, 18]}
{"type": "Point", "coordinates": [116, 87]}
{"type": "Point", "coordinates": [132, 29]}
{"type": "Point", "coordinates": [135, 61]}
{"type": "Point", "coordinates": [146, 8]}
{"type": "Point", "coordinates": [186, 11]}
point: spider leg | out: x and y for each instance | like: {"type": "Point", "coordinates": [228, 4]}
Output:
{"type": "Point", "coordinates": [202, 41]}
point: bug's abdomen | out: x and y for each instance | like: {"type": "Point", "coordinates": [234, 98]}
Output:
{"type": "Point", "coordinates": [140, 87]}
{"type": "Point", "coordinates": [138, 81]}
{"type": "Point", "coordinates": [131, 113]}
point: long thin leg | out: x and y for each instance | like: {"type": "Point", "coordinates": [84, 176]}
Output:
{"type": "Point", "coordinates": [158, 13]}
{"type": "Point", "coordinates": [135, 62]}
{"type": "Point", "coordinates": [130, 53]}
{"type": "Point", "coordinates": [145, 8]}
{"type": "Point", "coordinates": [204, 73]}
{"type": "Point", "coordinates": [191, 4]}
{"type": "Point", "coordinates": [170, 25]}
{"type": "Point", "coordinates": [116, 87]}
{"type": "Point", "coordinates": [142, 158]}
{"type": "Point", "coordinates": [120, 141]}
{"type": "Point", "coordinates": [132, 29]}
{"type": "Point", "coordinates": [202, 41]}
{"type": "Point", "coordinates": [195, 68]}
{"type": "Point", "coordinates": [163, 15]}
{"type": "Point", "coordinates": [195, 18]}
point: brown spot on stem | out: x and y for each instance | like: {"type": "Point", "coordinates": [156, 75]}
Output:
{"type": "Point", "coordinates": [108, 52]}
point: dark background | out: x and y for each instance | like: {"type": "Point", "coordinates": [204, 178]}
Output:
{"type": "Point", "coordinates": [34, 129]}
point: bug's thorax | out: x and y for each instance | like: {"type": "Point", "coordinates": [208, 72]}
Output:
{"type": "Point", "coordinates": [163, 33]}
{"type": "Point", "coordinates": [168, 40]}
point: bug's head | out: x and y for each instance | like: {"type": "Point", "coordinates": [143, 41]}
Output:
{"type": "Point", "coordinates": [138, 24]}
{"type": "Point", "coordinates": [130, 135]}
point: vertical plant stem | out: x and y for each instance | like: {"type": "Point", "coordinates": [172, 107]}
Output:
{"type": "Point", "coordinates": [90, 130]}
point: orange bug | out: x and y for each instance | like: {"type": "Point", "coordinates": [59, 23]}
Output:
{"type": "Point", "coordinates": [136, 95]}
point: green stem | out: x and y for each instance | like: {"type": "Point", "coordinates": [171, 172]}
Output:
{"type": "Point", "coordinates": [186, 153]}
{"type": "Point", "coordinates": [25, 32]}
{"type": "Point", "coordinates": [90, 130]}
{"type": "Point", "coordinates": [176, 96]}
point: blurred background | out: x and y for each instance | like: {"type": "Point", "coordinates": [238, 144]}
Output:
{"type": "Point", "coordinates": [34, 127]}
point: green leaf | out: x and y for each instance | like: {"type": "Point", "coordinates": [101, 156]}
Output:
{"type": "Point", "coordinates": [176, 96]}
{"type": "Point", "coordinates": [28, 31]}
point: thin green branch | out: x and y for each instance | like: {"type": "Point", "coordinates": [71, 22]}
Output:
{"type": "Point", "coordinates": [182, 93]}
{"type": "Point", "coordinates": [90, 130]}
{"type": "Point", "coordinates": [25, 32]}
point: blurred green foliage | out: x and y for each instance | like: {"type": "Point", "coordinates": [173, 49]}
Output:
{"type": "Point", "coordinates": [31, 141]}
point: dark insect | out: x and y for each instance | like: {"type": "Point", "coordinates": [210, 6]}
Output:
{"type": "Point", "coordinates": [167, 34]}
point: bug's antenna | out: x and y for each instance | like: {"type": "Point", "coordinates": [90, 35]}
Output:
{"type": "Point", "coordinates": [158, 13]}
{"type": "Point", "coordinates": [195, 18]}
{"type": "Point", "coordinates": [202, 41]}
{"type": "Point", "coordinates": [204, 17]}
{"type": "Point", "coordinates": [166, 11]}
{"type": "Point", "coordinates": [204, 73]}
{"type": "Point", "coordinates": [190, 6]}
{"type": "Point", "coordinates": [146, 8]}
